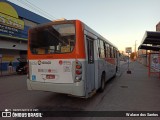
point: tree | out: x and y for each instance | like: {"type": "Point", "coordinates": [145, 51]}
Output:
{"type": "Point", "coordinates": [132, 56]}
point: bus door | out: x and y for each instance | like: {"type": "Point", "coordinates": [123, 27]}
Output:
{"type": "Point", "coordinates": [90, 65]}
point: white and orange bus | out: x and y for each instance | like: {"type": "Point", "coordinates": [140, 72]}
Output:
{"type": "Point", "coordinates": [69, 57]}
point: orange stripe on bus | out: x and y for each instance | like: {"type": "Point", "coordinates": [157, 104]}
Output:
{"type": "Point", "coordinates": [78, 51]}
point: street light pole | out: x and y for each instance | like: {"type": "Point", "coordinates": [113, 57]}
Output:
{"type": "Point", "coordinates": [135, 50]}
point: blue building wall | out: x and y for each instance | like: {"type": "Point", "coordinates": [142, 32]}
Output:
{"type": "Point", "coordinates": [21, 34]}
{"type": "Point", "coordinates": [23, 13]}
{"type": "Point", "coordinates": [28, 14]}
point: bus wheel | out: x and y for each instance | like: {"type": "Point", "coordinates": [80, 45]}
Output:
{"type": "Point", "coordinates": [102, 83]}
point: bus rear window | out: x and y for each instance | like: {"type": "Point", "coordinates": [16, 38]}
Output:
{"type": "Point", "coordinates": [52, 39]}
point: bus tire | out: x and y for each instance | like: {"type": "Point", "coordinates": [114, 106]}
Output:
{"type": "Point", "coordinates": [102, 83]}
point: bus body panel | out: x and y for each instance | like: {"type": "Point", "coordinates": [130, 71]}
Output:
{"type": "Point", "coordinates": [107, 65]}
{"type": "Point", "coordinates": [57, 72]}
{"type": "Point", "coordinates": [52, 71]}
{"type": "Point", "coordinates": [101, 65]}
{"type": "Point", "coordinates": [65, 83]}
{"type": "Point", "coordinates": [76, 89]}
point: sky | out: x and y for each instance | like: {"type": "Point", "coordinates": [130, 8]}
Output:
{"type": "Point", "coordinates": [122, 22]}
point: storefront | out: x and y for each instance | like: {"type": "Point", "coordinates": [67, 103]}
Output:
{"type": "Point", "coordinates": [14, 24]}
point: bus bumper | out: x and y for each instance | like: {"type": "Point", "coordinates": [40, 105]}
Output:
{"type": "Point", "coordinates": [76, 89]}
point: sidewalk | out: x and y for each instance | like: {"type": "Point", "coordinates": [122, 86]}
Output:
{"type": "Point", "coordinates": [123, 62]}
{"type": "Point", "coordinates": [6, 73]}
{"type": "Point", "coordinates": [140, 92]}
{"type": "Point", "coordinates": [132, 92]}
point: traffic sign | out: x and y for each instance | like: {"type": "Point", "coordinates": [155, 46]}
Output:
{"type": "Point", "coordinates": [128, 49]}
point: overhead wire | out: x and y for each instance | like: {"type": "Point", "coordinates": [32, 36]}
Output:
{"type": "Point", "coordinates": [41, 9]}
{"type": "Point", "coordinates": [35, 8]}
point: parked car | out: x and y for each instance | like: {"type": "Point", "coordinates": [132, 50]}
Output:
{"type": "Point", "coordinates": [22, 68]}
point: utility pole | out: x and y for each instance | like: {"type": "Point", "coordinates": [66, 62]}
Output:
{"type": "Point", "coordinates": [135, 53]}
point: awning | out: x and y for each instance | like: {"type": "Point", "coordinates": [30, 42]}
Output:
{"type": "Point", "coordinates": [150, 41]}
{"type": "Point", "coordinates": [154, 48]}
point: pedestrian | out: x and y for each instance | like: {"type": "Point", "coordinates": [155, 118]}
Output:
{"type": "Point", "coordinates": [10, 67]}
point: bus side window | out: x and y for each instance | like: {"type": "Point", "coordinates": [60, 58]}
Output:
{"type": "Point", "coordinates": [102, 49]}
{"type": "Point", "coordinates": [110, 51]}
{"type": "Point", "coordinates": [115, 53]}
{"type": "Point", "coordinates": [109, 55]}
{"type": "Point", "coordinates": [90, 49]}
{"type": "Point", "coordinates": [107, 51]}
{"type": "Point", "coordinates": [99, 49]}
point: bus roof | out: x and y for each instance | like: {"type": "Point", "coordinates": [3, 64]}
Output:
{"type": "Point", "coordinates": [98, 35]}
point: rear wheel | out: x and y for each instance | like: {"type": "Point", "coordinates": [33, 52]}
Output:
{"type": "Point", "coordinates": [102, 83]}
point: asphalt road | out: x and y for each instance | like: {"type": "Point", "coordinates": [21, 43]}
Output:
{"type": "Point", "coordinates": [126, 92]}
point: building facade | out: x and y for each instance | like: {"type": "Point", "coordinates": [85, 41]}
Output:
{"type": "Point", "coordinates": [14, 24]}
{"type": "Point", "coordinates": [158, 27]}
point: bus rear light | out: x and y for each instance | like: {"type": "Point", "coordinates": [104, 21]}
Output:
{"type": "Point", "coordinates": [60, 62]}
{"type": "Point", "coordinates": [78, 66]}
{"type": "Point", "coordinates": [78, 72]}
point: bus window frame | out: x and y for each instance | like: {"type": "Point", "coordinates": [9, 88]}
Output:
{"type": "Point", "coordinates": [52, 24]}
{"type": "Point", "coordinates": [90, 61]}
{"type": "Point", "coordinates": [101, 49]}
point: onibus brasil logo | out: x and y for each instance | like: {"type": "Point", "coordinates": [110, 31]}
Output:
{"type": "Point", "coordinates": [8, 113]}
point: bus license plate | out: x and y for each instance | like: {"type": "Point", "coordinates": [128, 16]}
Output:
{"type": "Point", "coordinates": [50, 76]}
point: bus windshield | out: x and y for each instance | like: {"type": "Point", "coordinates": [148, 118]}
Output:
{"type": "Point", "coordinates": [52, 39]}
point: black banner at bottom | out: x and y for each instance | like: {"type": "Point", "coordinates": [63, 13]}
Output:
{"type": "Point", "coordinates": [101, 114]}
{"type": "Point", "coordinates": [80, 114]}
